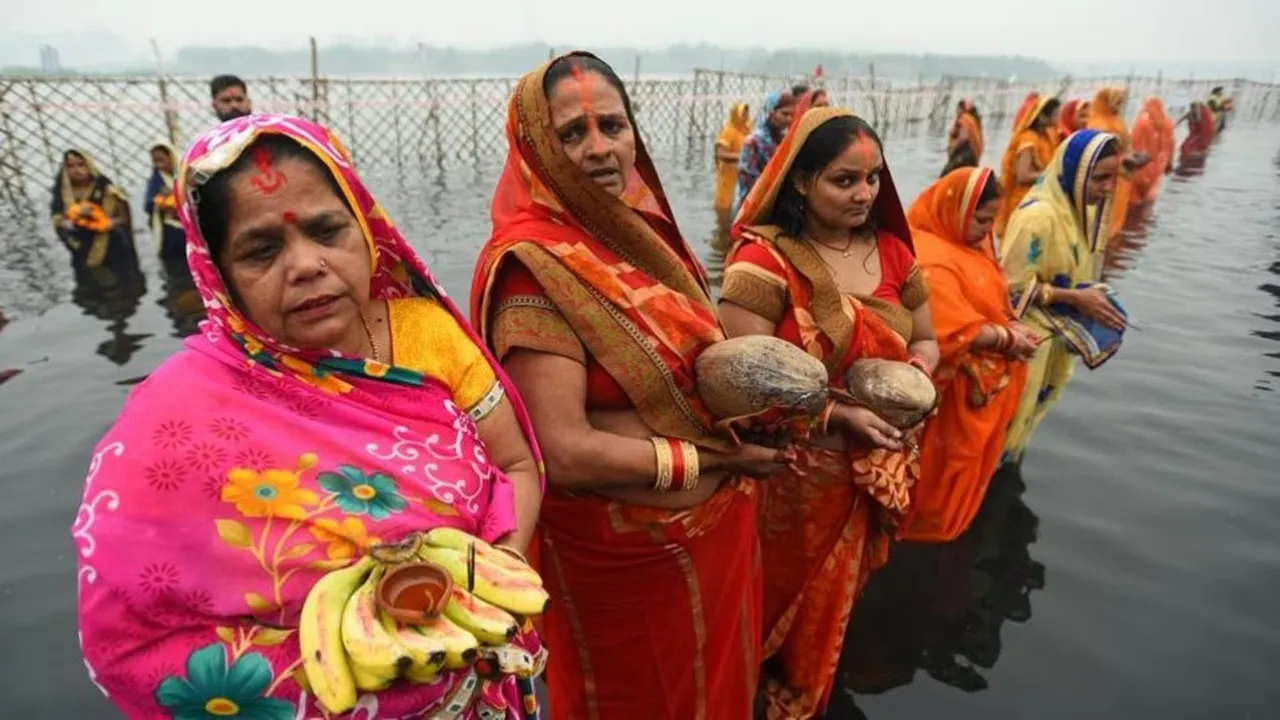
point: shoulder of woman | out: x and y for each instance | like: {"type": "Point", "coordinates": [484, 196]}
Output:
{"type": "Point", "coordinates": [756, 250]}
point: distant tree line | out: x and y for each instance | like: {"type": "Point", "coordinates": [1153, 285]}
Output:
{"type": "Point", "coordinates": [516, 59]}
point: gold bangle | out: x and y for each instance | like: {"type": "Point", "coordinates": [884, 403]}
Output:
{"type": "Point", "coordinates": [662, 452]}
{"type": "Point", "coordinates": [691, 469]}
{"type": "Point", "coordinates": [1046, 295]}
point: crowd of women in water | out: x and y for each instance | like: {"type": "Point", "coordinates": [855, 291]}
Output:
{"type": "Point", "coordinates": [335, 398]}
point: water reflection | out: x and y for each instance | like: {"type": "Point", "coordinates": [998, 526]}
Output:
{"type": "Point", "coordinates": [940, 608]}
{"type": "Point", "coordinates": [1123, 251]}
{"type": "Point", "coordinates": [180, 299]}
{"type": "Point", "coordinates": [112, 294]}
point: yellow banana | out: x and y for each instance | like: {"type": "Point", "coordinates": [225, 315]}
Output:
{"type": "Point", "coordinates": [494, 583]}
{"type": "Point", "coordinates": [460, 646]}
{"type": "Point", "coordinates": [426, 653]}
{"type": "Point", "coordinates": [455, 539]}
{"type": "Point", "coordinates": [376, 657]}
{"type": "Point", "coordinates": [324, 659]}
{"type": "Point", "coordinates": [491, 625]}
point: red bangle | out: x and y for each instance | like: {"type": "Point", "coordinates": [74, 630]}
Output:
{"type": "Point", "coordinates": [677, 460]}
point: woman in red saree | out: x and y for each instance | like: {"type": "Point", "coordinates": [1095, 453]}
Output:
{"type": "Point", "coordinates": [1201, 129]}
{"type": "Point", "coordinates": [1152, 136]}
{"type": "Point", "coordinates": [823, 260]}
{"type": "Point", "coordinates": [596, 306]}
{"type": "Point", "coordinates": [1029, 152]}
{"type": "Point", "coordinates": [981, 373]}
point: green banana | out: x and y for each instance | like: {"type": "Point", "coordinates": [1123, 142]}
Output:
{"type": "Point", "coordinates": [495, 583]}
{"type": "Point", "coordinates": [460, 646]}
{"type": "Point", "coordinates": [426, 653]}
{"type": "Point", "coordinates": [376, 657]}
{"type": "Point", "coordinates": [324, 659]}
{"type": "Point", "coordinates": [460, 540]}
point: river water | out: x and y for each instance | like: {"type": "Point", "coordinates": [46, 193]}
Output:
{"type": "Point", "coordinates": [1130, 570]}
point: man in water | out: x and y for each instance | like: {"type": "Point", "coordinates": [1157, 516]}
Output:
{"type": "Point", "coordinates": [230, 97]}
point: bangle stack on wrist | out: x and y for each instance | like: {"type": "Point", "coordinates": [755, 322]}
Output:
{"type": "Point", "coordinates": [677, 459]}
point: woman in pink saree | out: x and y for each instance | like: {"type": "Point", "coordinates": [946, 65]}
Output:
{"type": "Point", "coordinates": [335, 399]}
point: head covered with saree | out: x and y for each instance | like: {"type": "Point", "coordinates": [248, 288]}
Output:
{"type": "Point", "coordinates": [946, 208]}
{"type": "Point", "coordinates": [1108, 105]}
{"type": "Point", "coordinates": [614, 264]}
{"type": "Point", "coordinates": [91, 242]}
{"type": "Point", "coordinates": [758, 208]}
{"type": "Point", "coordinates": [244, 468]}
{"type": "Point", "coordinates": [1060, 214]}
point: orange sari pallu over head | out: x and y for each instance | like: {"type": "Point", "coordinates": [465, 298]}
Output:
{"type": "Point", "coordinates": [655, 612]}
{"type": "Point", "coordinates": [979, 391]}
{"type": "Point", "coordinates": [826, 526]}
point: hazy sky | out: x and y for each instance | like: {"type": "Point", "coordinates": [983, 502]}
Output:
{"type": "Point", "coordinates": [1077, 30]}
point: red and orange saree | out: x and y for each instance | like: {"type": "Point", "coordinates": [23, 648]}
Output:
{"type": "Point", "coordinates": [1153, 135]}
{"type": "Point", "coordinates": [655, 613]}
{"type": "Point", "coordinates": [826, 525]}
{"type": "Point", "coordinates": [979, 390]}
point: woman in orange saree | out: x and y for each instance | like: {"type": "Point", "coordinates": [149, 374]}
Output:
{"type": "Point", "coordinates": [593, 302]}
{"type": "Point", "coordinates": [1106, 114]}
{"type": "Point", "coordinates": [965, 142]}
{"type": "Point", "coordinates": [1029, 152]}
{"type": "Point", "coordinates": [981, 373]}
{"type": "Point", "coordinates": [1152, 136]}
{"type": "Point", "coordinates": [822, 259]}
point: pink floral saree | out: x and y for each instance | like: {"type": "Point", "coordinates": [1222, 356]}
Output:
{"type": "Point", "coordinates": [242, 470]}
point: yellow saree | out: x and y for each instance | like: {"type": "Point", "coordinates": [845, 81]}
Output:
{"type": "Point", "coordinates": [1056, 238]}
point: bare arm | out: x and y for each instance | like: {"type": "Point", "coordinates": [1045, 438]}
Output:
{"type": "Point", "coordinates": [578, 456]}
{"type": "Point", "coordinates": [1025, 171]}
{"type": "Point", "coordinates": [726, 155]}
{"type": "Point", "coordinates": [924, 344]}
{"type": "Point", "coordinates": [508, 449]}
{"type": "Point", "coordinates": [739, 321]}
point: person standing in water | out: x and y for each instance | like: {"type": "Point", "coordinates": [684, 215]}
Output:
{"type": "Point", "coordinates": [91, 216]}
{"type": "Point", "coordinates": [1028, 153]}
{"type": "Point", "coordinates": [230, 97]}
{"type": "Point", "coordinates": [1052, 256]}
{"type": "Point", "coordinates": [162, 208]}
{"type": "Point", "coordinates": [771, 126]}
{"type": "Point", "coordinates": [728, 150]}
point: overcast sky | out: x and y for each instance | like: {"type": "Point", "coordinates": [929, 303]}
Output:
{"type": "Point", "coordinates": [1057, 30]}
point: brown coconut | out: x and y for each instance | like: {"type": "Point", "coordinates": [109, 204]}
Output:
{"type": "Point", "coordinates": [898, 392]}
{"type": "Point", "coordinates": [751, 374]}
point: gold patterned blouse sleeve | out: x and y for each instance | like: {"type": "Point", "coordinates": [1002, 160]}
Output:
{"type": "Point", "coordinates": [754, 280]}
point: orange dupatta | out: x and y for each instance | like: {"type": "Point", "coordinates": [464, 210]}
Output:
{"type": "Point", "coordinates": [655, 613]}
{"type": "Point", "coordinates": [1025, 136]}
{"type": "Point", "coordinates": [1153, 135]}
{"type": "Point", "coordinates": [1104, 115]}
{"type": "Point", "coordinates": [1069, 119]}
{"type": "Point", "coordinates": [979, 390]}
{"type": "Point", "coordinates": [825, 527]}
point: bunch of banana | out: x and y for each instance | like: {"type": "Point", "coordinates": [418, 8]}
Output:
{"type": "Point", "coordinates": [349, 644]}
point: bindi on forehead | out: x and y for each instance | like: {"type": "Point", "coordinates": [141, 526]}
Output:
{"type": "Point", "coordinates": [290, 217]}
{"type": "Point", "coordinates": [267, 179]}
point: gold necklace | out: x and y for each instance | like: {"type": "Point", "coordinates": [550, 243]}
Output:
{"type": "Point", "coordinates": [373, 344]}
{"type": "Point", "coordinates": [844, 251]}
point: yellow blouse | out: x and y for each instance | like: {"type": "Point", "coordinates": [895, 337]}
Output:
{"type": "Point", "coordinates": [426, 338]}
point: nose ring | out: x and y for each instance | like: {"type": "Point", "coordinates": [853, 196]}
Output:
{"type": "Point", "coordinates": [323, 265]}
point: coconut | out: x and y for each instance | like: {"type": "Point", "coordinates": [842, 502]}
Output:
{"type": "Point", "coordinates": [898, 392]}
{"type": "Point", "coordinates": [748, 375]}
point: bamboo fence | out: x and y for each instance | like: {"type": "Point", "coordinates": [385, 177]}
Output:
{"type": "Point", "coordinates": [434, 123]}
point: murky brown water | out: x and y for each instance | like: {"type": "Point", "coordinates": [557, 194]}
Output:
{"type": "Point", "coordinates": [1131, 571]}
